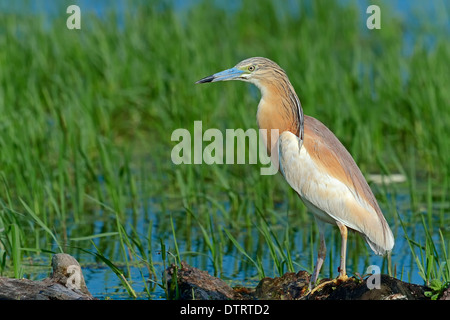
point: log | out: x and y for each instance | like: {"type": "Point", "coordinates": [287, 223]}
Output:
{"type": "Point", "coordinates": [195, 284]}
{"type": "Point", "coordinates": [189, 283]}
{"type": "Point", "coordinates": [445, 294]}
{"type": "Point", "coordinates": [65, 283]}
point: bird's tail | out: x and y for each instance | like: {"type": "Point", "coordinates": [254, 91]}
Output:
{"type": "Point", "coordinates": [384, 244]}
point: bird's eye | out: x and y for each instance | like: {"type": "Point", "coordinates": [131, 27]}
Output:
{"type": "Point", "coordinates": [251, 68]}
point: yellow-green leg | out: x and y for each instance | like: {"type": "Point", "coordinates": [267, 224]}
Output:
{"type": "Point", "coordinates": [320, 256]}
{"type": "Point", "coordinates": [343, 229]}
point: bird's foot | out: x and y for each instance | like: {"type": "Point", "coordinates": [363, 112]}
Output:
{"type": "Point", "coordinates": [341, 278]}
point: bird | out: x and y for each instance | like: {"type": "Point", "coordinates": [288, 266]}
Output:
{"type": "Point", "coordinates": [313, 161]}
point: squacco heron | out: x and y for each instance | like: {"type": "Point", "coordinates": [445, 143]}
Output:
{"type": "Point", "coordinates": [313, 161]}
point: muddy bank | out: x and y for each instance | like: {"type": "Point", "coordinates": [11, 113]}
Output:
{"type": "Point", "coordinates": [188, 283]}
{"type": "Point", "coordinates": [194, 284]}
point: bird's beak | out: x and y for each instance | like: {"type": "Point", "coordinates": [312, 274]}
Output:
{"type": "Point", "coordinates": [230, 74]}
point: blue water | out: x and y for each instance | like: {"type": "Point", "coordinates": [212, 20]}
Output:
{"type": "Point", "coordinates": [103, 283]}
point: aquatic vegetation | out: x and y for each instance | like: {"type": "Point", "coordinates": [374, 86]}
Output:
{"type": "Point", "coordinates": [86, 118]}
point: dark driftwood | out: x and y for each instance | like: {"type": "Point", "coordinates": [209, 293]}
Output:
{"type": "Point", "coordinates": [65, 283]}
{"type": "Point", "coordinates": [192, 283]}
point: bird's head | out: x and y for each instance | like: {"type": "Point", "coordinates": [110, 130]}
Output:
{"type": "Point", "coordinates": [253, 70]}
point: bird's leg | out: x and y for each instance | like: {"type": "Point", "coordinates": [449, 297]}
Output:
{"type": "Point", "coordinates": [342, 274]}
{"type": "Point", "coordinates": [343, 230]}
{"type": "Point", "coordinates": [320, 255]}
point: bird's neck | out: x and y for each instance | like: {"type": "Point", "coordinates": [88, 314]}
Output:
{"type": "Point", "coordinates": [279, 109]}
